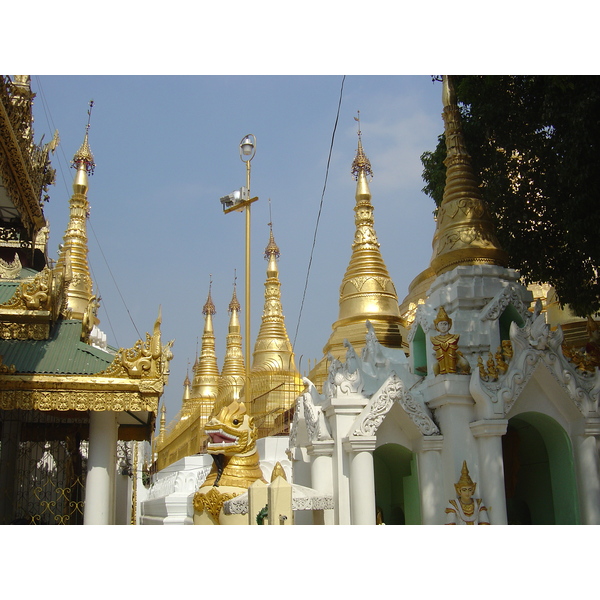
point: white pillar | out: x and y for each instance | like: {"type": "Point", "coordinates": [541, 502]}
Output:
{"type": "Point", "coordinates": [322, 472]}
{"type": "Point", "coordinates": [99, 486]}
{"type": "Point", "coordinates": [491, 467]}
{"type": "Point", "coordinates": [362, 480]}
{"type": "Point", "coordinates": [588, 470]}
{"type": "Point", "coordinates": [341, 412]}
{"type": "Point", "coordinates": [431, 484]}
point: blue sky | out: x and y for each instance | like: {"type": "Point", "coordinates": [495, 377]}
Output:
{"type": "Point", "coordinates": [166, 150]}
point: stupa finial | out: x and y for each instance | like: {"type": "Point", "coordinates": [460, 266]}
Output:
{"type": "Point", "coordinates": [84, 157]}
{"type": "Point", "coordinates": [361, 163]}
{"type": "Point", "coordinates": [209, 307]}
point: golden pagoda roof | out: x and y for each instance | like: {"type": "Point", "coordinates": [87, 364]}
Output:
{"type": "Point", "coordinates": [465, 232]}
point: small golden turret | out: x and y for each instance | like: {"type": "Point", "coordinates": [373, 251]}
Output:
{"type": "Point", "coordinates": [74, 250]}
{"type": "Point", "coordinates": [465, 232]}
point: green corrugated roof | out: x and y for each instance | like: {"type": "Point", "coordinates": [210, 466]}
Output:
{"type": "Point", "coordinates": [8, 287]}
{"type": "Point", "coordinates": [62, 353]}
{"type": "Point", "coordinates": [7, 290]}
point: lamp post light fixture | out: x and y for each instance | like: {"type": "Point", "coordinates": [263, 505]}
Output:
{"type": "Point", "coordinates": [238, 201]}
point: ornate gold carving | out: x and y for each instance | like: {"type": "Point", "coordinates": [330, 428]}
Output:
{"type": "Point", "coordinates": [8, 369]}
{"type": "Point", "coordinates": [89, 318]}
{"type": "Point", "coordinates": [145, 360]}
{"type": "Point", "coordinates": [24, 399]}
{"type": "Point", "coordinates": [588, 357]}
{"type": "Point", "coordinates": [24, 166]}
{"type": "Point", "coordinates": [24, 331]}
{"type": "Point", "coordinates": [211, 503]}
{"type": "Point", "coordinates": [497, 364]}
{"type": "Point", "coordinates": [33, 294]}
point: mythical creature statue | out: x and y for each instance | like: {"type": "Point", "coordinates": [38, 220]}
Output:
{"type": "Point", "coordinates": [232, 444]}
{"type": "Point", "coordinates": [316, 423]}
{"type": "Point", "coordinates": [466, 510]}
{"type": "Point", "coordinates": [448, 356]}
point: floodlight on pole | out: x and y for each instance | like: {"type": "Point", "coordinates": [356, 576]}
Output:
{"type": "Point", "coordinates": [238, 201]}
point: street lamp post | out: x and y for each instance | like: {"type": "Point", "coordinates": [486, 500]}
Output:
{"type": "Point", "coordinates": [238, 201]}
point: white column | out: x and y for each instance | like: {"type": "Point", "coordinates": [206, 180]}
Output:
{"type": "Point", "coordinates": [431, 484]}
{"type": "Point", "coordinates": [491, 468]}
{"type": "Point", "coordinates": [99, 487]}
{"type": "Point", "coordinates": [588, 470]}
{"type": "Point", "coordinates": [362, 480]}
{"type": "Point", "coordinates": [321, 468]}
{"type": "Point", "coordinates": [341, 413]}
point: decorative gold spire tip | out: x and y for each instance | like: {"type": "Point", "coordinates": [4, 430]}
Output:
{"type": "Point", "coordinates": [209, 307]}
{"type": "Point", "coordinates": [361, 162]}
{"type": "Point", "coordinates": [84, 154]}
{"type": "Point", "coordinates": [272, 248]}
{"type": "Point", "coordinates": [234, 304]}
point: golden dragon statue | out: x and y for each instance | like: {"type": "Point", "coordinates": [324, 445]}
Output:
{"type": "Point", "coordinates": [232, 444]}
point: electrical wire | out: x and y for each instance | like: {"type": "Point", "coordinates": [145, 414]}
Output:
{"type": "Point", "coordinates": [337, 116]}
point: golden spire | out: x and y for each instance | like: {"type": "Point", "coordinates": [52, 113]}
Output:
{"type": "Point", "coordinates": [233, 373]}
{"type": "Point", "coordinates": [75, 248]}
{"type": "Point", "coordinates": [465, 232]}
{"type": "Point", "coordinates": [206, 371]}
{"type": "Point", "coordinates": [272, 349]}
{"type": "Point", "coordinates": [367, 291]}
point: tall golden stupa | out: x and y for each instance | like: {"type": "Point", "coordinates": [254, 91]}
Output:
{"type": "Point", "coordinates": [465, 233]}
{"type": "Point", "coordinates": [275, 381]}
{"type": "Point", "coordinates": [367, 292]}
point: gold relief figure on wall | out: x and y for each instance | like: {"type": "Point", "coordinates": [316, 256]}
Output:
{"type": "Point", "coordinates": [466, 510]}
{"type": "Point", "coordinates": [448, 356]}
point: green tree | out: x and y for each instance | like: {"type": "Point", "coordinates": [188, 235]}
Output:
{"type": "Point", "coordinates": [535, 145]}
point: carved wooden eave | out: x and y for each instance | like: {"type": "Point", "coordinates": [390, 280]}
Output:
{"type": "Point", "coordinates": [24, 167]}
{"type": "Point", "coordinates": [535, 344]}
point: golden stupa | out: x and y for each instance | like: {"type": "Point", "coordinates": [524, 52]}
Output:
{"type": "Point", "coordinates": [367, 292]}
{"type": "Point", "coordinates": [465, 233]}
{"type": "Point", "coordinates": [275, 381]}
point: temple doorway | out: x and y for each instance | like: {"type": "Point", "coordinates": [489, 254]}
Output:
{"type": "Point", "coordinates": [396, 485]}
{"type": "Point", "coordinates": [539, 473]}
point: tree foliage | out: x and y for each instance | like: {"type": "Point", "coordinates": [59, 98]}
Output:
{"type": "Point", "coordinates": [535, 145]}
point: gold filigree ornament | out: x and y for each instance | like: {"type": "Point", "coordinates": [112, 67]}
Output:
{"type": "Point", "coordinates": [211, 503]}
{"type": "Point", "coordinates": [33, 294]}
